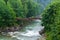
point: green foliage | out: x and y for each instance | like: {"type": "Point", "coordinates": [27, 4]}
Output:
{"type": "Point", "coordinates": [32, 8]}
{"type": "Point", "coordinates": [17, 7]}
{"type": "Point", "coordinates": [11, 9]}
{"type": "Point", "coordinates": [51, 21]}
{"type": "Point", "coordinates": [6, 1]}
{"type": "Point", "coordinates": [7, 15]}
{"type": "Point", "coordinates": [25, 7]}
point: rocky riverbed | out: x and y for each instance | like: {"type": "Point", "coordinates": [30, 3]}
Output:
{"type": "Point", "coordinates": [29, 32]}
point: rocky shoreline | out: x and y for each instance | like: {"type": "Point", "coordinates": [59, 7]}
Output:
{"type": "Point", "coordinates": [10, 29]}
{"type": "Point", "coordinates": [13, 28]}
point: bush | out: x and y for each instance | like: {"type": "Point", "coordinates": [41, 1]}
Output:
{"type": "Point", "coordinates": [51, 21]}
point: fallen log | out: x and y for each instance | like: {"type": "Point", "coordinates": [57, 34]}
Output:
{"type": "Point", "coordinates": [27, 18]}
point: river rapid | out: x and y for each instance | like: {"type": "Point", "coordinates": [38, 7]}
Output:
{"type": "Point", "coordinates": [29, 32]}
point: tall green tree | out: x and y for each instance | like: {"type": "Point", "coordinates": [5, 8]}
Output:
{"type": "Point", "coordinates": [7, 15]}
{"type": "Point", "coordinates": [17, 7]}
{"type": "Point", "coordinates": [25, 7]}
{"type": "Point", "coordinates": [6, 1]}
{"type": "Point", "coordinates": [32, 8]}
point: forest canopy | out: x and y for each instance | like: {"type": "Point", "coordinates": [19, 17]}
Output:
{"type": "Point", "coordinates": [11, 9]}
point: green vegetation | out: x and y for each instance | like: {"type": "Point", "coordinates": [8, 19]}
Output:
{"type": "Point", "coordinates": [11, 9]}
{"type": "Point", "coordinates": [7, 15]}
{"type": "Point", "coordinates": [51, 21]}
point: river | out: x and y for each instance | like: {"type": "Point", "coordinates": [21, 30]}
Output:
{"type": "Point", "coordinates": [29, 32]}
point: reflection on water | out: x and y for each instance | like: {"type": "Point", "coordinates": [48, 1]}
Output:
{"type": "Point", "coordinates": [31, 32]}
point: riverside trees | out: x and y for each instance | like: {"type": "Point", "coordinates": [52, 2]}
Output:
{"type": "Point", "coordinates": [10, 9]}
{"type": "Point", "coordinates": [51, 21]}
{"type": "Point", "coordinates": [7, 15]}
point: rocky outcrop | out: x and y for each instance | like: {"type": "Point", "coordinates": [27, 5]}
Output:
{"type": "Point", "coordinates": [42, 32]}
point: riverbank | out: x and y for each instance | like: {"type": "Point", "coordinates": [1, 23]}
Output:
{"type": "Point", "coordinates": [14, 28]}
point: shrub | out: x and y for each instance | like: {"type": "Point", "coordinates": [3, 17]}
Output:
{"type": "Point", "coordinates": [51, 21]}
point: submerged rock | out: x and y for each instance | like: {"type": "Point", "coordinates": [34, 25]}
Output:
{"type": "Point", "coordinates": [42, 32]}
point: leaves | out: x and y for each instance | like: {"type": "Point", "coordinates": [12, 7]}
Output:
{"type": "Point", "coordinates": [51, 21]}
{"type": "Point", "coordinates": [10, 9]}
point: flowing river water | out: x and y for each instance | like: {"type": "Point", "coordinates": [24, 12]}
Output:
{"type": "Point", "coordinates": [30, 32]}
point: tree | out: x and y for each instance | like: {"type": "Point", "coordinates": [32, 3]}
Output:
{"type": "Point", "coordinates": [6, 1]}
{"type": "Point", "coordinates": [17, 7]}
{"type": "Point", "coordinates": [25, 9]}
{"type": "Point", "coordinates": [32, 8]}
{"type": "Point", "coordinates": [11, 9]}
{"type": "Point", "coordinates": [7, 15]}
{"type": "Point", "coordinates": [51, 21]}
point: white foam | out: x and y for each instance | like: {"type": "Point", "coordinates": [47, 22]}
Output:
{"type": "Point", "coordinates": [30, 33]}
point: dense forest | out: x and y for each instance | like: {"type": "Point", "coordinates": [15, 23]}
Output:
{"type": "Point", "coordinates": [11, 9]}
{"type": "Point", "coordinates": [51, 21]}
